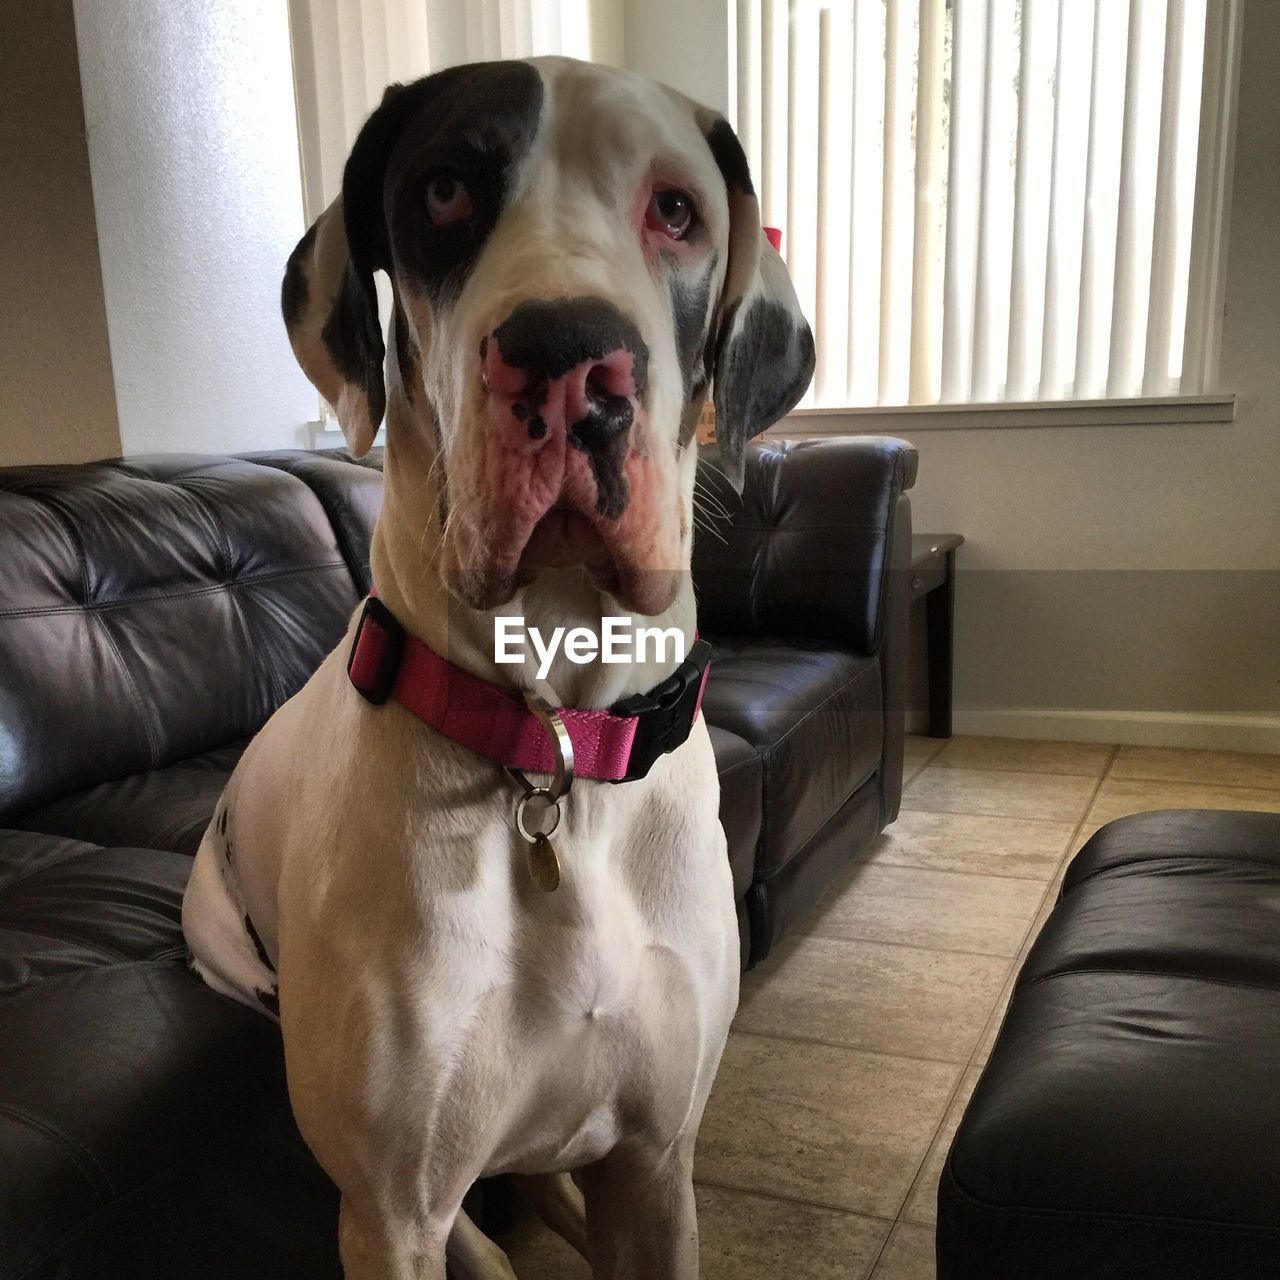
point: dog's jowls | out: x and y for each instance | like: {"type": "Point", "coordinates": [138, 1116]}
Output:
{"type": "Point", "coordinates": [575, 254]}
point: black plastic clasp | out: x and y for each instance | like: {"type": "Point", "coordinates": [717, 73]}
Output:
{"type": "Point", "coordinates": [380, 616]}
{"type": "Point", "coordinates": [665, 714]}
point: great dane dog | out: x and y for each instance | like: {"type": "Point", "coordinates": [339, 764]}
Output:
{"type": "Point", "coordinates": [575, 254]}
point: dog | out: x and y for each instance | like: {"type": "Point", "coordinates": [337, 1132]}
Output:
{"type": "Point", "coordinates": [575, 253]}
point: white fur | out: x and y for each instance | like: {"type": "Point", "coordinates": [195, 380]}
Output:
{"type": "Point", "coordinates": [442, 1018]}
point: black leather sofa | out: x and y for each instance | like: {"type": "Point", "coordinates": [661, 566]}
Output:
{"type": "Point", "coordinates": [153, 613]}
{"type": "Point", "coordinates": [1127, 1125]}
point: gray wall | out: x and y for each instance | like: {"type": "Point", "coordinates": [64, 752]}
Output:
{"type": "Point", "coordinates": [58, 403]}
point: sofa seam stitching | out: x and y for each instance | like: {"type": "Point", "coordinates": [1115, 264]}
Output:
{"type": "Point", "coordinates": [102, 1184]}
{"type": "Point", "coordinates": [1094, 971]}
{"type": "Point", "coordinates": [164, 959]}
{"type": "Point", "coordinates": [230, 584]}
{"type": "Point", "coordinates": [1096, 1215]}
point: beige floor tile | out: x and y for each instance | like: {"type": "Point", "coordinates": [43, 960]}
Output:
{"type": "Point", "coordinates": [1218, 768]}
{"type": "Point", "coordinates": [918, 750]}
{"type": "Point", "coordinates": [751, 1237]}
{"type": "Point", "coordinates": [983, 1052]}
{"type": "Point", "coordinates": [909, 1255]}
{"type": "Point", "coordinates": [1089, 759]}
{"type": "Point", "coordinates": [1082, 837]}
{"type": "Point", "coordinates": [936, 909]}
{"type": "Point", "coordinates": [1019, 847]}
{"type": "Point", "coordinates": [742, 1237]}
{"type": "Point", "coordinates": [1120, 796]}
{"type": "Point", "coordinates": [830, 1126]}
{"type": "Point", "coordinates": [1045, 910]}
{"type": "Point", "coordinates": [874, 996]}
{"type": "Point", "coordinates": [992, 1029]}
{"type": "Point", "coordinates": [922, 1203]}
{"type": "Point", "coordinates": [1001, 793]}
{"type": "Point", "coordinates": [996, 1020]}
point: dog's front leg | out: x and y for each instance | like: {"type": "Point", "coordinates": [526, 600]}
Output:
{"type": "Point", "coordinates": [641, 1218]}
{"type": "Point", "coordinates": [375, 1247]}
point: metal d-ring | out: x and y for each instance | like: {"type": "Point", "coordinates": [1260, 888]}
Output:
{"type": "Point", "coordinates": [561, 780]}
{"type": "Point", "coordinates": [561, 744]}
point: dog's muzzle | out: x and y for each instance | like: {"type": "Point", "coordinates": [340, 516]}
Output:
{"type": "Point", "coordinates": [571, 367]}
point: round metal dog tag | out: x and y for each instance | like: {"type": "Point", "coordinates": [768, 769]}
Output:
{"type": "Point", "coordinates": [544, 865]}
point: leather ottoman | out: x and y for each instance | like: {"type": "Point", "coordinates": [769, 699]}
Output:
{"type": "Point", "coordinates": [1128, 1121]}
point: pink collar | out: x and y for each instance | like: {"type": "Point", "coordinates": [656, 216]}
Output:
{"type": "Point", "coordinates": [617, 745]}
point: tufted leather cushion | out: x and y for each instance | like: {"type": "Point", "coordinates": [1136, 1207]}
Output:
{"type": "Point", "coordinates": [154, 609]}
{"type": "Point", "coordinates": [1128, 1122]}
{"type": "Point", "coordinates": [134, 1081]}
{"type": "Point", "coordinates": [351, 491]}
{"type": "Point", "coordinates": [804, 551]}
{"type": "Point", "coordinates": [161, 809]}
{"type": "Point", "coordinates": [812, 713]}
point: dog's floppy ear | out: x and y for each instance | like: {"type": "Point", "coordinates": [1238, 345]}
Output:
{"type": "Point", "coordinates": [763, 348]}
{"type": "Point", "coordinates": [329, 301]}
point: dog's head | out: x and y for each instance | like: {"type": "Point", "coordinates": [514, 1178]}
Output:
{"type": "Point", "coordinates": [575, 252]}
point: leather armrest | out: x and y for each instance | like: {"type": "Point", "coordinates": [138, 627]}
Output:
{"type": "Point", "coordinates": [810, 547]}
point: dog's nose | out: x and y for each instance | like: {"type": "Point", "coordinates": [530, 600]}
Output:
{"type": "Point", "coordinates": [570, 365]}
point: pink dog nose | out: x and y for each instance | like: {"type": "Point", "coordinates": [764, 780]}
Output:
{"type": "Point", "coordinates": [573, 365]}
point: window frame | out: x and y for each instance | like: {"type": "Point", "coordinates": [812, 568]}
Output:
{"type": "Point", "coordinates": [1205, 402]}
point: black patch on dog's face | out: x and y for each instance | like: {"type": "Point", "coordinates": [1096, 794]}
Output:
{"type": "Point", "coordinates": [729, 156]}
{"type": "Point", "coordinates": [691, 313]}
{"type": "Point", "coordinates": [406, 351]}
{"type": "Point", "coordinates": [472, 123]}
{"type": "Point", "coordinates": [354, 341]}
{"type": "Point", "coordinates": [613, 491]}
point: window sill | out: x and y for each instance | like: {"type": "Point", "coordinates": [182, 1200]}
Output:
{"type": "Point", "coordinates": [905, 419]}
{"type": "Point", "coordinates": [326, 434]}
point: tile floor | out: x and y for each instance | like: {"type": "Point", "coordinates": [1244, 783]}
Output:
{"type": "Point", "coordinates": [858, 1043]}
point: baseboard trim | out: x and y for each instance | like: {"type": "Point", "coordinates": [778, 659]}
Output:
{"type": "Point", "coordinates": [1229, 732]}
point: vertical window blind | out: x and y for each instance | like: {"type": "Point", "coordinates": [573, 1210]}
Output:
{"type": "Point", "coordinates": [989, 200]}
{"type": "Point", "coordinates": [346, 52]}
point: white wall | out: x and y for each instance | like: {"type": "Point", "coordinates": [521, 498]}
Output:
{"type": "Point", "coordinates": [194, 159]}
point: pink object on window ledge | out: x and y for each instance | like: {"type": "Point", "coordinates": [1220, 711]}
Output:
{"type": "Point", "coordinates": [774, 237]}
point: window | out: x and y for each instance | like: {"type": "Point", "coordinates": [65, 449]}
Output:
{"type": "Point", "coordinates": [346, 52]}
{"type": "Point", "coordinates": [1004, 203]}
{"type": "Point", "coordinates": [995, 200]}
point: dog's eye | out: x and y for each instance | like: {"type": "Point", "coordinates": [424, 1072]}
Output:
{"type": "Point", "coordinates": [671, 212]}
{"type": "Point", "coordinates": [448, 200]}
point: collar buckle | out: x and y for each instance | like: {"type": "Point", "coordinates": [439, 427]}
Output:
{"type": "Point", "coordinates": [665, 715]}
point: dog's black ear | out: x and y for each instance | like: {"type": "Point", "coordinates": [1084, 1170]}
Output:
{"type": "Point", "coordinates": [329, 301]}
{"type": "Point", "coordinates": [763, 352]}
